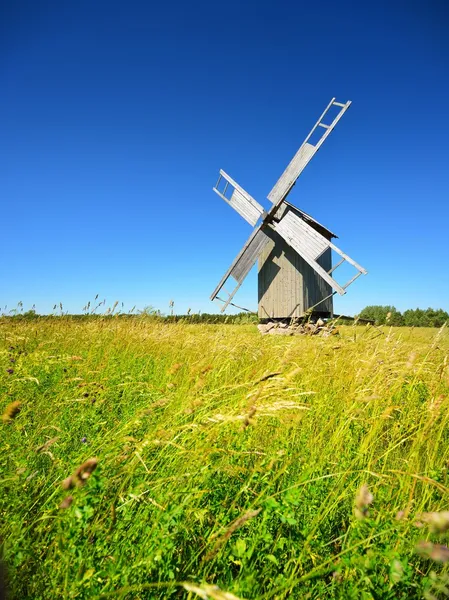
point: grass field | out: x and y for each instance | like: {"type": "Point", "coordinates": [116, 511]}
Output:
{"type": "Point", "coordinates": [269, 467]}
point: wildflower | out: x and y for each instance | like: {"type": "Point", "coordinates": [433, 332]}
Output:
{"type": "Point", "coordinates": [84, 440]}
{"type": "Point", "coordinates": [363, 500]}
{"type": "Point", "coordinates": [438, 521]}
{"type": "Point", "coordinates": [10, 371]}
{"type": "Point", "coordinates": [12, 360]}
{"type": "Point", "coordinates": [400, 515]}
{"type": "Point", "coordinates": [66, 502]}
{"type": "Point", "coordinates": [11, 411]}
{"type": "Point", "coordinates": [436, 552]}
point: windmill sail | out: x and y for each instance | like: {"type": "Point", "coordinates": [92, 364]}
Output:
{"type": "Point", "coordinates": [238, 198]}
{"type": "Point", "coordinates": [242, 265]}
{"type": "Point", "coordinates": [305, 153]}
{"type": "Point", "coordinates": [310, 244]}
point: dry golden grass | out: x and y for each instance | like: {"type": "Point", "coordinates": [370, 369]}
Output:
{"type": "Point", "coordinates": [228, 463]}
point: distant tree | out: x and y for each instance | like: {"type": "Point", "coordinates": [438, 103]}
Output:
{"type": "Point", "coordinates": [30, 314]}
{"type": "Point", "coordinates": [437, 318]}
{"type": "Point", "coordinates": [414, 318]}
{"type": "Point", "coordinates": [382, 315]}
{"type": "Point", "coordinates": [394, 318]}
{"type": "Point", "coordinates": [425, 318]}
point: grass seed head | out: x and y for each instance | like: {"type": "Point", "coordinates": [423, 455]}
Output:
{"type": "Point", "coordinates": [236, 524]}
{"type": "Point", "coordinates": [11, 411]}
{"type": "Point", "coordinates": [68, 483]}
{"type": "Point", "coordinates": [411, 360]}
{"type": "Point", "coordinates": [247, 420]}
{"type": "Point", "coordinates": [84, 471]}
{"type": "Point", "coordinates": [81, 474]}
{"type": "Point", "coordinates": [66, 502]}
{"type": "Point", "coordinates": [46, 445]}
{"type": "Point", "coordinates": [434, 406]}
{"type": "Point", "coordinates": [175, 368]}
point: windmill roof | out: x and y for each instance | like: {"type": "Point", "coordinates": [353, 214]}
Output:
{"type": "Point", "coordinates": [311, 221]}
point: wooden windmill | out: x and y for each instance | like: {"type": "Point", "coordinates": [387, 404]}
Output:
{"type": "Point", "coordinates": [294, 251]}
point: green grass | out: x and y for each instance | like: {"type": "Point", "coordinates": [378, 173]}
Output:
{"type": "Point", "coordinates": [224, 458]}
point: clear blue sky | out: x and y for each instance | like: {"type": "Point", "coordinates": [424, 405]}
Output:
{"type": "Point", "coordinates": [116, 117]}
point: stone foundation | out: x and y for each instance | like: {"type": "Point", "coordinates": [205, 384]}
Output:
{"type": "Point", "coordinates": [297, 327]}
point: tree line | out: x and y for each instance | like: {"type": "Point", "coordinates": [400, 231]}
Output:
{"type": "Point", "coordinates": [380, 315]}
{"type": "Point", "coordinates": [389, 315]}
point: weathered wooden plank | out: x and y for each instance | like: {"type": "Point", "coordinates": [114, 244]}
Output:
{"type": "Point", "coordinates": [295, 229]}
{"type": "Point", "coordinates": [291, 173]}
{"type": "Point", "coordinates": [249, 257]}
{"type": "Point", "coordinates": [311, 239]}
{"type": "Point", "coordinates": [240, 200]}
{"type": "Point", "coordinates": [288, 286]}
{"type": "Point", "coordinates": [235, 185]}
{"type": "Point", "coordinates": [304, 251]}
{"type": "Point", "coordinates": [242, 205]}
{"type": "Point", "coordinates": [316, 290]}
{"type": "Point", "coordinates": [280, 280]}
{"type": "Point", "coordinates": [324, 231]}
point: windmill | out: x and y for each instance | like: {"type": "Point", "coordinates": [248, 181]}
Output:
{"type": "Point", "coordinates": [294, 251]}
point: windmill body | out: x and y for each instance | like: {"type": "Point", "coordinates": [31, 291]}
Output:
{"type": "Point", "coordinates": [293, 251]}
{"type": "Point", "coordinates": [287, 285]}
